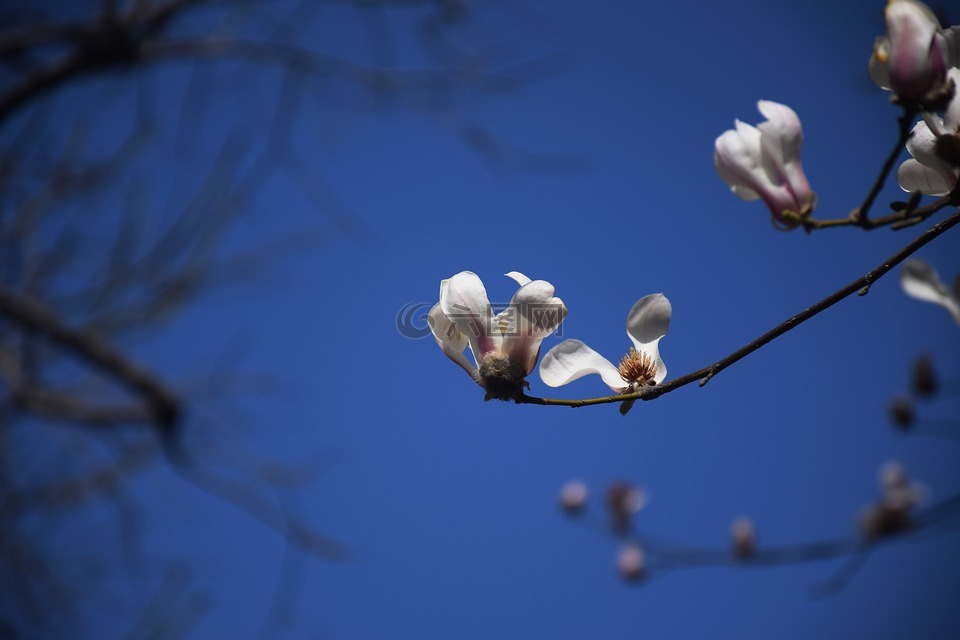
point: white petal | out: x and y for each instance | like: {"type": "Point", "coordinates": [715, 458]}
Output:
{"type": "Point", "coordinates": [745, 193]}
{"type": "Point", "coordinates": [506, 320]}
{"type": "Point", "coordinates": [913, 176]}
{"type": "Point", "coordinates": [781, 135]}
{"type": "Point", "coordinates": [463, 300]}
{"type": "Point", "coordinates": [879, 72]}
{"type": "Point", "coordinates": [951, 119]}
{"type": "Point", "coordinates": [922, 146]}
{"type": "Point", "coordinates": [647, 322]}
{"type": "Point", "coordinates": [781, 139]}
{"type": "Point", "coordinates": [951, 38]}
{"type": "Point", "coordinates": [571, 359]}
{"type": "Point", "coordinates": [519, 277]}
{"type": "Point", "coordinates": [919, 280]}
{"type": "Point", "coordinates": [450, 339]}
{"type": "Point", "coordinates": [736, 155]}
{"type": "Point", "coordinates": [537, 313]}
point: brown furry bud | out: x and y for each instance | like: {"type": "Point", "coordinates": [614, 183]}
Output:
{"type": "Point", "coordinates": [901, 412]}
{"type": "Point", "coordinates": [502, 377]}
{"type": "Point", "coordinates": [925, 381]}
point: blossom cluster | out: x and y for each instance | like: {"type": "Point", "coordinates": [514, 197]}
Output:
{"type": "Point", "coordinates": [918, 60]}
{"type": "Point", "coordinates": [506, 345]}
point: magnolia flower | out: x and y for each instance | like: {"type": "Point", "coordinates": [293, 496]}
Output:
{"type": "Point", "coordinates": [921, 281]}
{"type": "Point", "coordinates": [935, 147]}
{"type": "Point", "coordinates": [647, 322]}
{"type": "Point", "coordinates": [913, 58]}
{"type": "Point", "coordinates": [505, 346]}
{"type": "Point", "coordinates": [764, 162]}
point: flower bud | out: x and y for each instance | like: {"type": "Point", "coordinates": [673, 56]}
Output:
{"type": "Point", "coordinates": [925, 381]}
{"type": "Point", "coordinates": [915, 50]}
{"type": "Point", "coordinates": [573, 496]}
{"type": "Point", "coordinates": [624, 501]}
{"type": "Point", "coordinates": [744, 537]}
{"type": "Point", "coordinates": [901, 412]}
{"type": "Point", "coordinates": [631, 562]}
{"type": "Point", "coordinates": [763, 162]}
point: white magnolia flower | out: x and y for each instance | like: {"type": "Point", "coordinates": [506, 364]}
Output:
{"type": "Point", "coordinates": [647, 323]}
{"type": "Point", "coordinates": [921, 281]}
{"type": "Point", "coordinates": [913, 58]}
{"type": "Point", "coordinates": [935, 147]}
{"type": "Point", "coordinates": [764, 162]}
{"type": "Point", "coordinates": [506, 345]}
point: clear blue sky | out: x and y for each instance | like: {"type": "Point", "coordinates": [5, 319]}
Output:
{"type": "Point", "coordinates": [449, 503]}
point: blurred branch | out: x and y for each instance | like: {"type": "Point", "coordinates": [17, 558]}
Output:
{"type": "Point", "coordinates": [29, 314]}
{"type": "Point", "coordinates": [664, 555]}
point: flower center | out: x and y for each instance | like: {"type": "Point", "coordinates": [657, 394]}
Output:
{"type": "Point", "coordinates": [638, 368]}
{"type": "Point", "coordinates": [502, 376]}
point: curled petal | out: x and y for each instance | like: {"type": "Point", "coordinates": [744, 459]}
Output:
{"type": "Point", "coordinates": [519, 277]}
{"type": "Point", "coordinates": [506, 319]}
{"type": "Point", "coordinates": [463, 300]}
{"type": "Point", "coordinates": [450, 339]}
{"type": "Point", "coordinates": [536, 313]}
{"type": "Point", "coordinates": [921, 281]}
{"type": "Point", "coordinates": [572, 359]}
{"type": "Point", "coordinates": [647, 323]}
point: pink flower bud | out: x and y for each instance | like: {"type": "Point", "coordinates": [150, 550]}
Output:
{"type": "Point", "coordinates": [915, 49]}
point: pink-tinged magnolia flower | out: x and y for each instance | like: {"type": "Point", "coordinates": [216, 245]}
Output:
{"type": "Point", "coordinates": [934, 144]}
{"type": "Point", "coordinates": [913, 58]}
{"type": "Point", "coordinates": [921, 281]}
{"type": "Point", "coordinates": [764, 162]}
{"type": "Point", "coordinates": [647, 323]}
{"type": "Point", "coordinates": [505, 346]}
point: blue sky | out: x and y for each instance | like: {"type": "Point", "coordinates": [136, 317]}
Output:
{"type": "Point", "coordinates": [449, 504]}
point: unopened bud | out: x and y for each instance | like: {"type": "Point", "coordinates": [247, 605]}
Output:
{"type": "Point", "coordinates": [924, 376]}
{"type": "Point", "coordinates": [624, 501]}
{"type": "Point", "coordinates": [573, 496]}
{"type": "Point", "coordinates": [893, 475]}
{"type": "Point", "coordinates": [631, 562]}
{"type": "Point", "coordinates": [901, 412]}
{"type": "Point", "coordinates": [744, 537]}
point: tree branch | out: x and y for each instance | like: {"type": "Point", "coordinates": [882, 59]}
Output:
{"type": "Point", "coordinates": [29, 314]}
{"type": "Point", "coordinates": [860, 285]}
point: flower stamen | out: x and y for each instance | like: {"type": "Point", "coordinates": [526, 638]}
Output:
{"type": "Point", "coordinates": [638, 368]}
